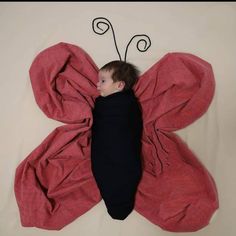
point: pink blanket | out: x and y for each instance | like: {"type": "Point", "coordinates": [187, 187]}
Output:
{"type": "Point", "coordinates": [54, 185]}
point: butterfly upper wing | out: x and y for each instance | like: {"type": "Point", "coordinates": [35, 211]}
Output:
{"type": "Point", "coordinates": [54, 184]}
{"type": "Point", "coordinates": [63, 79]}
{"type": "Point", "coordinates": [176, 191]}
{"type": "Point", "coordinates": [176, 91]}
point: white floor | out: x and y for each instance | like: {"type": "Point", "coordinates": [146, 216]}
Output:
{"type": "Point", "coordinates": [207, 30]}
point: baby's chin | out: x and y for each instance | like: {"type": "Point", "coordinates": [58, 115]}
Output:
{"type": "Point", "coordinates": [102, 94]}
{"type": "Point", "coordinates": [105, 94]}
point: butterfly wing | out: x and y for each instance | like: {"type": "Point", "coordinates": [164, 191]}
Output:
{"type": "Point", "coordinates": [63, 79]}
{"type": "Point", "coordinates": [176, 191]}
{"type": "Point", "coordinates": [54, 184]}
{"type": "Point", "coordinates": [176, 91]}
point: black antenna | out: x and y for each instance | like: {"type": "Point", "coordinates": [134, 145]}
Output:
{"type": "Point", "coordinates": [104, 31]}
{"type": "Point", "coordinates": [103, 20]}
{"type": "Point", "coordinates": [137, 45]}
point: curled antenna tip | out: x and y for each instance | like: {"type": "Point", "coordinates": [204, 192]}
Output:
{"type": "Point", "coordinates": [144, 38]}
{"type": "Point", "coordinates": [100, 31]}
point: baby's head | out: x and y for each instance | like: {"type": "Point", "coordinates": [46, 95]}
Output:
{"type": "Point", "coordinates": [116, 76]}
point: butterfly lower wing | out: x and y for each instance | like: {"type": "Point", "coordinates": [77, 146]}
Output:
{"type": "Point", "coordinates": [54, 185]}
{"type": "Point", "coordinates": [176, 191]}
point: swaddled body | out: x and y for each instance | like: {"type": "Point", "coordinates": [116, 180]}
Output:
{"type": "Point", "coordinates": [115, 150]}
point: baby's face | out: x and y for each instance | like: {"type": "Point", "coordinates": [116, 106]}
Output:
{"type": "Point", "coordinates": [106, 85]}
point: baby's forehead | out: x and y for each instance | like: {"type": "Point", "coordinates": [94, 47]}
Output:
{"type": "Point", "coordinates": [106, 74]}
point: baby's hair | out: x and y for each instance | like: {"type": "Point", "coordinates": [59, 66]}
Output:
{"type": "Point", "coordinates": [123, 71]}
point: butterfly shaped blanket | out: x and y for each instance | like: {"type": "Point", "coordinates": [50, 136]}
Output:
{"type": "Point", "coordinates": [54, 184]}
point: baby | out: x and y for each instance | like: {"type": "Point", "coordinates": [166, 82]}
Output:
{"type": "Point", "coordinates": [116, 138]}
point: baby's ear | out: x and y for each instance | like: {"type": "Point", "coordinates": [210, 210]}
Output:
{"type": "Point", "coordinates": [121, 85]}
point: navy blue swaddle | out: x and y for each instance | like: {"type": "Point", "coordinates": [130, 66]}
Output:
{"type": "Point", "coordinates": [116, 150]}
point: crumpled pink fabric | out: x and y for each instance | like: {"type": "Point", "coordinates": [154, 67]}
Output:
{"type": "Point", "coordinates": [54, 184]}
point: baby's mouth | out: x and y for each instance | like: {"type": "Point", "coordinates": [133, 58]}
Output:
{"type": "Point", "coordinates": [100, 92]}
